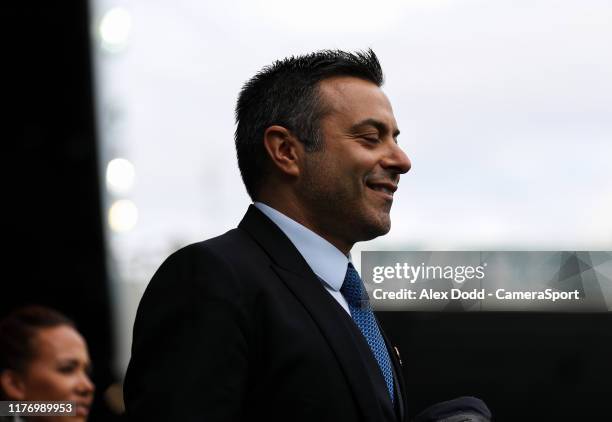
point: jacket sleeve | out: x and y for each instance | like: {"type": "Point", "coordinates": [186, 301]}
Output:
{"type": "Point", "coordinates": [190, 346]}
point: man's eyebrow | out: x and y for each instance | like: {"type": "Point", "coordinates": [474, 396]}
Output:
{"type": "Point", "coordinates": [380, 126]}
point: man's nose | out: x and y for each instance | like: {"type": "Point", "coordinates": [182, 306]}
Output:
{"type": "Point", "coordinates": [396, 159]}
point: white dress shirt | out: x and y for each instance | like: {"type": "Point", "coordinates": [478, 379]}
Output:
{"type": "Point", "coordinates": [324, 259]}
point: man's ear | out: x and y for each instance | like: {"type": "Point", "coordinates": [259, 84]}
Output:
{"type": "Point", "coordinates": [284, 149]}
{"type": "Point", "coordinates": [12, 384]}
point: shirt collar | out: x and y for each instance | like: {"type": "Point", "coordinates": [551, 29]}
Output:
{"type": "Point", "coordinates": [327, 261]}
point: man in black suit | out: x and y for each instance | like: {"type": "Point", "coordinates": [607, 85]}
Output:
{"type": "Point", "coordinates": [270, 320]}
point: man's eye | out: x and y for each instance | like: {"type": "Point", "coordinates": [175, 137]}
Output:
{"type": "Point", "coordinates": [371, 139]}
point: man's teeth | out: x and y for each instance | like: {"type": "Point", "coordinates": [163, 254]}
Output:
{"type": "Point", "coordinates": [382, 189]}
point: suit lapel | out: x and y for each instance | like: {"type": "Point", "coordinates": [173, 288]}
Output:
{"type": "Point", "coordinates": [293, 270]}
{"type": "Point", "coordinates": [397, 366]}
{"type": "Point", "coordinates": [325, 312]}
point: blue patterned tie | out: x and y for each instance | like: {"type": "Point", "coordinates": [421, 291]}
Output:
{"type": "Point", "coordinates": [355, 294]}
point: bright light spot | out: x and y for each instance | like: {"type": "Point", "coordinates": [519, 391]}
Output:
{"type": "Point", "coordinates": [115, 29]}
{"type": "Point", "coordinates": [122, 215]}
{"type": "Point", "coordinates": [120, 175]}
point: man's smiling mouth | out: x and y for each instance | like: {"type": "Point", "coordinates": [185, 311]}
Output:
{"type": "Point", "coordinates": [386, 188]}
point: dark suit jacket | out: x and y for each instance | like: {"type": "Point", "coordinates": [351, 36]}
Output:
{"type": "Point", "coordinates": [238, 327]}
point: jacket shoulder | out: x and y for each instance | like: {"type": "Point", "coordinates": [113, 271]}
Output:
{"type": "Point", "coordinates": [228, 249]}
{"type": "Point", "coordinates": [216, 266]}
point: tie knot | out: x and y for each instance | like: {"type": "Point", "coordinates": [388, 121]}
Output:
{"type": "Point", "coordinates": [353, 289]}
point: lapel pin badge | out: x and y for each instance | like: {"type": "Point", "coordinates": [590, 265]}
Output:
{"type": "Point", "coordinates": [398, 355]}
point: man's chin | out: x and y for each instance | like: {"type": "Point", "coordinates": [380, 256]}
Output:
{"type": "Point", "coordinates": [376, 227]}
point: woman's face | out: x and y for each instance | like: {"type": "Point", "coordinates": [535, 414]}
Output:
{"type": "Point", "coordinates": [59, 371]}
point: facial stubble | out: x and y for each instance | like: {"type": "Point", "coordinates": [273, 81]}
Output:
{"type": "Point", "coordinates": [342, 207]}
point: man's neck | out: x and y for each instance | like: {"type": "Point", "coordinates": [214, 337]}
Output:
{"type": "Point", "coordinates": [294, 211]}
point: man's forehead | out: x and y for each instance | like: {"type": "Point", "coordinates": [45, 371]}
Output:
{"type": "Point", "coordinates": [357, 98]}
{"type": "Point", "coordinates": [347, 86]}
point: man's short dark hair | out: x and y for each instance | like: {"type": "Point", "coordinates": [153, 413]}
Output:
{"type": "Point", "coordinates": [286, 94]}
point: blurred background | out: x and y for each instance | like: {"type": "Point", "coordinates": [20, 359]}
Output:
{"type": "Point", "coordinates": [120, 139]}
